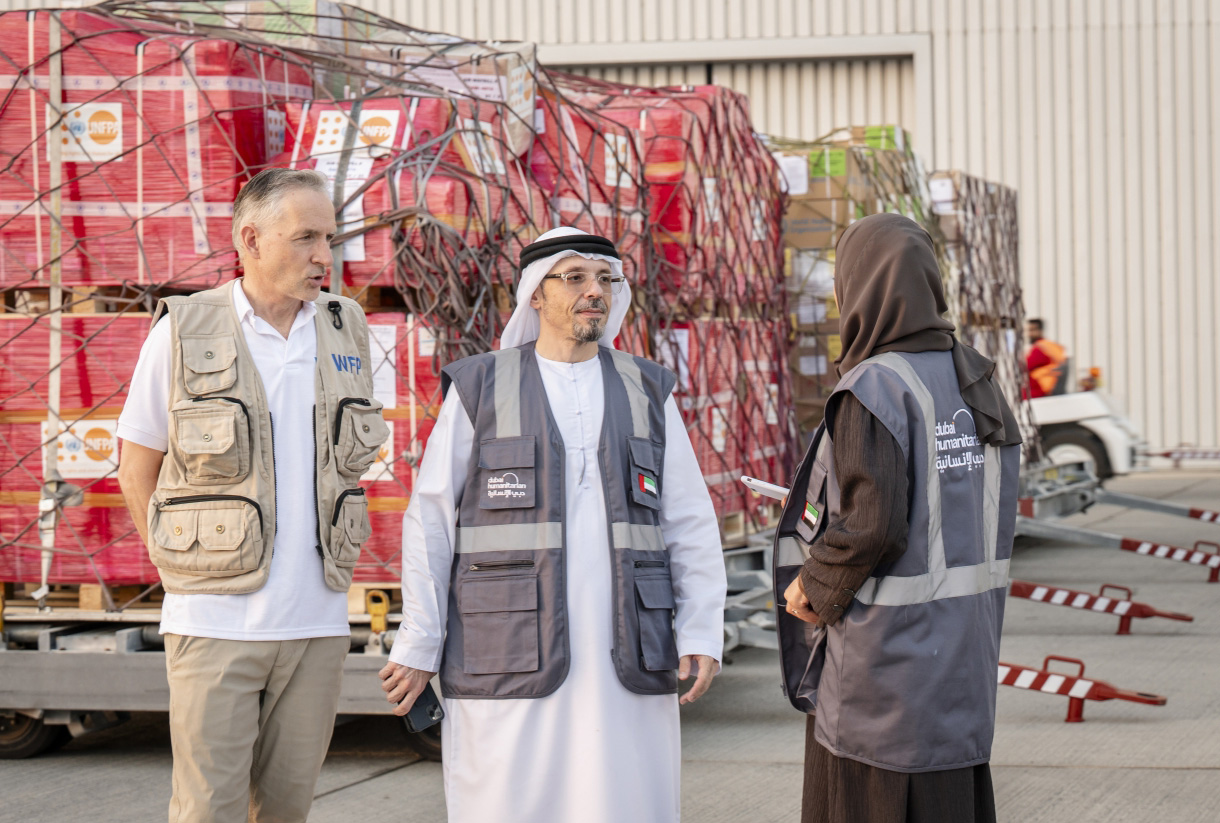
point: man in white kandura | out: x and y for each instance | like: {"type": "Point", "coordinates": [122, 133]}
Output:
{"type": "Point", "coordinates": [560, 535]}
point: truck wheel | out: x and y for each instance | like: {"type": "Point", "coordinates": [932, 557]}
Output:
{"type": "Point", "coordinates": [1073, 444]}
{"type": "Point", "coordinates": [427, 744]}
{"type": "Point", "coordinates": [24, 736]}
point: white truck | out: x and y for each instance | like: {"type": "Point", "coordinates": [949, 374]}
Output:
{"type": "Point", "coordinates": [1088, 427]}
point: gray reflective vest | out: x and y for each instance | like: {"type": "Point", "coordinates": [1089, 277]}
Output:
{"type": "Point", "coordinates": [507, 634]}
{"type": "Point", "coordinates": [906, 679]}
{"type": "Point", "coordinates": [211, 521]}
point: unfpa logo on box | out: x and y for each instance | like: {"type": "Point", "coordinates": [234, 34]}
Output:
{"type": "Point", "coordinates": [376, 131]}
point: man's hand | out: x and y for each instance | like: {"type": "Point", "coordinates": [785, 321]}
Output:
{"type": "Point", "coordinates": [798, 603]}
{"type": "Point", "coordinates": [403, 685]}
{"type": "Point", "coordinates": [706, 668]}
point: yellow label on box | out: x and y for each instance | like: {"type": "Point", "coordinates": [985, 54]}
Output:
{"type": "Point", "coordinates": [832, 309]}
{"type": "Point", "coordinates": [834, 346]}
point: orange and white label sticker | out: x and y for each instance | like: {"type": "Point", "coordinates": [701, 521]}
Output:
{"type": "Point", "coordinates": [89, 133]}
{"type": "Point", "coordinates": [88, 449]}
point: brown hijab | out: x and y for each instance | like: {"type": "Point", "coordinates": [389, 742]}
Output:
{"type": "Point", "coordinates": [890, 298]}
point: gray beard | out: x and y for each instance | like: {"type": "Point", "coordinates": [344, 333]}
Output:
{"type": "Point", "coordinates": [588, 334]}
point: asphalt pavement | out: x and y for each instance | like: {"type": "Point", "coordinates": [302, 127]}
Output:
{"type": "Point", "coordinates": [742, 744]}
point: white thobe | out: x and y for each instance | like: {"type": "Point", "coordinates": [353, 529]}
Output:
{"type": "Point", "coordinates": [592, 751]}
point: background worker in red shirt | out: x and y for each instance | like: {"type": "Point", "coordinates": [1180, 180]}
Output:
{"type": "Point", "coordinates": [1046, 362]}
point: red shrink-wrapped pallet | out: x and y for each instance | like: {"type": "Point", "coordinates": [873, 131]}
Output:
{"type": "Point", "coordinates": [159, 131]}
{"type": "Point", "coordinates": [95, 541]}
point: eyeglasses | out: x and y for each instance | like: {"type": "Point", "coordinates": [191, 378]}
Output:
{"type": "Point", "coordinates": [579, 281]}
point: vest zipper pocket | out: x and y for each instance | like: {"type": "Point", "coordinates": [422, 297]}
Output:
{"type": "Point", "coordinates": [316, 519]}
{"type": "Point", "coordinates": [496, 565]}
{"type": "Point", "coordinates": [347, 401]}
{"type": "Point", "coordinates": [205, 498]}
{"type": "Point", "coordinates": [334, 520]}
{"type": "Point", "coordinates": [650, 564]}
{"type": "Point", "coordinates": [236, 400]}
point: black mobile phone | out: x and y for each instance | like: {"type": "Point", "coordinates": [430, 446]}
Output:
{"type": "Point", "coordinates": [426, 712]}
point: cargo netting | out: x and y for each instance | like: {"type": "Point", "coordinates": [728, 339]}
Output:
{"type": "Point", "coordinates": [863, 170]}
{"type": "Point", "coordinates": [126, 130]}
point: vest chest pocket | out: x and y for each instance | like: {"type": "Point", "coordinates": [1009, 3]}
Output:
{"type": "Point", "coordinates": [213, 440]}
{"type": "Point", "coordinates": [218, 536]}
{"type": "Point", "coordinates": [499, 624]}
{"type": "Point", "coordinates": [645, 477]}
{"type": "Point", "coordinates": [506, 473]}
{"type": "Point", "coordinates": [209, 362]}
{"type": "Point", "coordinates": [360, 431]}
{"type": "Point", "coordinates": [349, 527]}
{"type": "Point", "coordinates": [655, 606]}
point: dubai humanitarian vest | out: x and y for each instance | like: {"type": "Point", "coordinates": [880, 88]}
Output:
{"type": "Point", "coordinates": [212, 519]}
{"type": "Point", "coordinates": [507, 622]}
{"type": "Point", "coordinates": [906, 679]}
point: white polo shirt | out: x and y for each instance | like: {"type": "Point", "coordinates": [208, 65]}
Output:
{"type": "Point", "coordinates": [295, 602]}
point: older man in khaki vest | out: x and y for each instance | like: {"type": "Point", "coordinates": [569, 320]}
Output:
{"type": "Point", "coordinates": [249, 423]}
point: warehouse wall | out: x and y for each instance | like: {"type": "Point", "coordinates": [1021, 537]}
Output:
{"type": "Point", "coordinates": [1104, 114]}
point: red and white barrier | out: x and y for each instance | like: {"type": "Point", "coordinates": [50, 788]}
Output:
{"type": "Point", "coordinates": [1076, 688]}
{"type": "Point", "coordinates": [1182, 555]}
{"type": "Point", "coordinates": [1124, 608]}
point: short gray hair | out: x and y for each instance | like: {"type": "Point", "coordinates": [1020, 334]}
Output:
{"type": "Point", "coordinates": [258, 198]}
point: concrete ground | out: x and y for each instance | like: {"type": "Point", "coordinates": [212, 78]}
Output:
{"type": "Point", "coordinates": [1127, 763]}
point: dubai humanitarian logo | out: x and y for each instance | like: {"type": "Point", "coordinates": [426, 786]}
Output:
{"type": "Point", "coordinates": [376, 131]}
{"type": "Point", "coordinates": [507, 485]}
{"type": "Point", "coordinates": [957, 448]}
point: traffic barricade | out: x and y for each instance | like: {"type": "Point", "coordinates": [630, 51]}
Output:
{"type": "Point", "coordinates": [1076, 688]}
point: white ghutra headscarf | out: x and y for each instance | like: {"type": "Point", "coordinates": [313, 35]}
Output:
{"type": "Point", "coordinates": [524, 326]}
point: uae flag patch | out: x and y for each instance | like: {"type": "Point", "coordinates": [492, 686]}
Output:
{"type": "Point", "coordinates": [811, 515]}
{"type": "Point", "coordinates": [648, 485]}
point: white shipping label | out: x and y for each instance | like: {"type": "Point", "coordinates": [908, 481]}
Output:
{"type": "Point", "coordinates": [720, 430]}
{"type": "Point", "coordinates": [941, 190]}
{"type": "Point", "coordinates": [88, 449]}
{"type": "Point", "coordinates": [484, 151]}
{"type": "Point", "coordinates": [812, 364]}
{"type": "Point", "coordinates": [358, 170]}
{"type": "Point", "coordinates": [758, 217]}
{"type": "Point", "coordinates": [380, 470]}
{"type": "Point", "coordinates": [711, 196]}
{"type": "Point", "coordinates": [378, 127]}
{"type": "Point", "coordinates": [426, 343]}
{"type": "Point", "coordinates": [275, 127]}
{"type": "Point", "coordinates": [810, 310]}
{"type": "Point", "coordinates": [795, 171]}
{"type": "Point", "coordinates": [619, 162]}
{"type": "Point", "coordinates": [383, 348]}
{"type": "Point", "coordinates": [673, 352]}
{"type": "Point", "coordinates": [521, 90]}
{"type": "Point", "coordinates": [89, 133]}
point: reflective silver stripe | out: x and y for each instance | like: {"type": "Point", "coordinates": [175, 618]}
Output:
{"type": "Point", "coordinates": [510, 537]}
{"type": "Point", "coordinates": [790, 552]}
{"type": "Point", "coordinates": [508, 393]}
{"type": "Point", "coordinates": [643, 538]}
{"type": "Point", "coordinates": [629, 370]}
{"type": "Point", "coordinates": [959, 581]}
{"type": "Point", "coordinates": [991, 501]}
{"type": "Point", "coordinates": [936, 540]}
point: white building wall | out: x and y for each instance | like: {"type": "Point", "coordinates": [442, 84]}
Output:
{"type": "Point", "coordinates": [1104, 114]}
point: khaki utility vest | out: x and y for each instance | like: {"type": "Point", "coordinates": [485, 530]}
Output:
{"type": "Point", "coordinates": [212, 519]}
{"type": "Point", "coordinates": [508, 605]}
{"type": "Point", "coordinates": [906, 679]}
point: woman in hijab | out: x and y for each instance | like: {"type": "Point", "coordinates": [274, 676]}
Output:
{"type": "Point", "coordinates": [893, 550]}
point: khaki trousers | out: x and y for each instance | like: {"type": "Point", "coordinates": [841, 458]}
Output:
{"type": "Point", "coordinates": [249, 724]}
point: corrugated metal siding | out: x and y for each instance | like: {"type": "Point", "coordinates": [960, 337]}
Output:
{"type": "Point", "coordinates": [1104, 114]}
